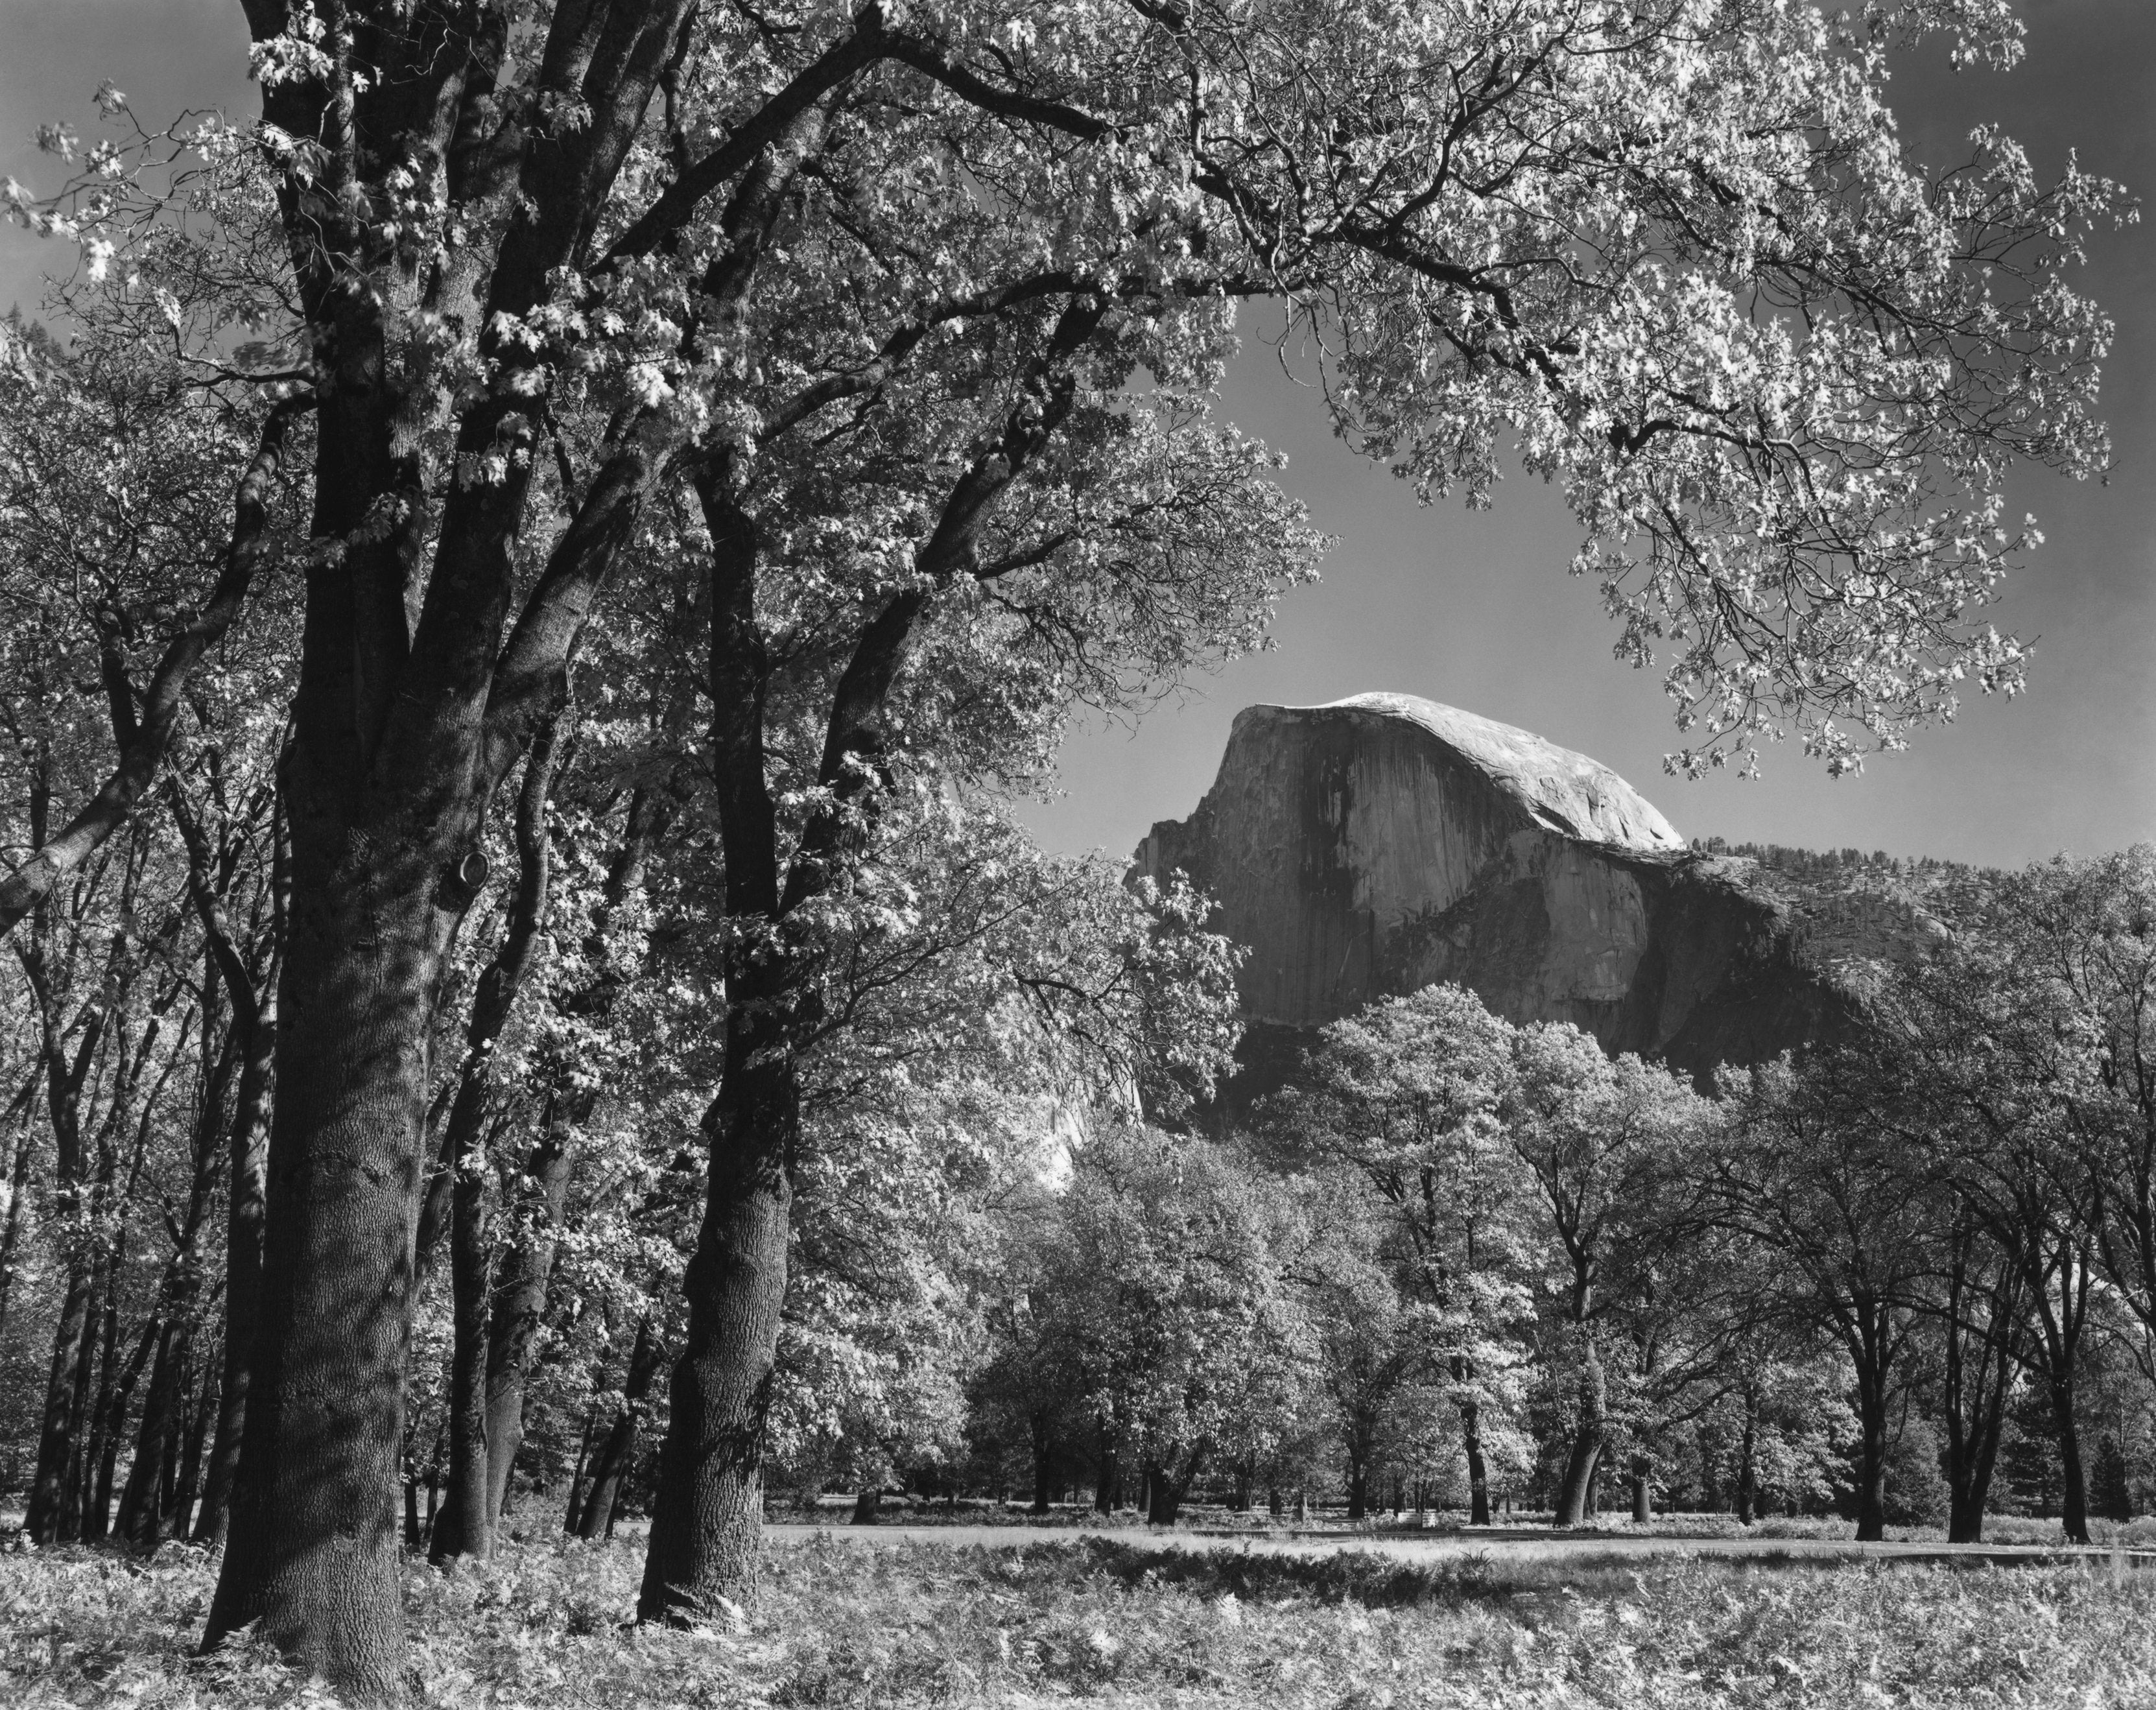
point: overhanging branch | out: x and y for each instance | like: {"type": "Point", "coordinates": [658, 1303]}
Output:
{"type": "Point", "coordinates": [37, 878]}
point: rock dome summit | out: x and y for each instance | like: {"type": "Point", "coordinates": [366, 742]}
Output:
{"type": "Point", "coordinates": [1375, 845]}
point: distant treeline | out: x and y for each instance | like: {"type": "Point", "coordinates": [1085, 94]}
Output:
{"type": "Point", "coordinates": [1837, 865]}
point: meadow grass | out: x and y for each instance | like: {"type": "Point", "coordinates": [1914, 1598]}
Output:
{"type": "Point", "coordinates": [2013, 1529]}
{"type": "Point", "coordinates": [1123, 1622]}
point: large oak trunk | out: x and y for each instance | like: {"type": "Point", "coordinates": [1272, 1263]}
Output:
{"type": "Point", "coordinates": [1581, 1464]}
{"type": "Point", "coordinates": [704, 1536]}
{"type": "Point", "coordinates": [401, 731]}
{"type": "Point", "coordinates": [312, 1545]}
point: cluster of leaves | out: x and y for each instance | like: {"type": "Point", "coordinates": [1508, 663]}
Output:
{"type": "Point", "coordinates": [1683, 265]}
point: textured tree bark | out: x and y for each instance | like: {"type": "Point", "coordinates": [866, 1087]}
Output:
{"type": "Point", "coordinates": [377, 795]}
{"type": "Point", "coordinates": [704, 1536]}
{"type": "Point", "coordinates": [311, 1552]}
{"type": "Point", "coordinates": [1103, 1486]}
{"type": "Point", "coordinates": [1575, 1498]}
{"type": "Point", "coordinates": [401, 729]}
{"type": "Point", "coordinates": [1643, 1503]}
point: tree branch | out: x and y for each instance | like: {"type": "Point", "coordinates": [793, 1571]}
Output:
{"type": "Point", "coordinates": [37, 877]}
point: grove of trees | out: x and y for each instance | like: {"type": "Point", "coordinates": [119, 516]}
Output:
{"type": "Point", "coordinates": [536, 573]}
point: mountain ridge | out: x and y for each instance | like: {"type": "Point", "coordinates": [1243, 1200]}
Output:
{"type": "Point", "coordinates": [1369, 847]}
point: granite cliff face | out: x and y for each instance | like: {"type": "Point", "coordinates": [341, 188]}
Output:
{"type": "Point", "coordinates": [1381, 844]}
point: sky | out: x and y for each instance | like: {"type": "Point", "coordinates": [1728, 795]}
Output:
{"type": "Point", "coordinates": [1476, 608]}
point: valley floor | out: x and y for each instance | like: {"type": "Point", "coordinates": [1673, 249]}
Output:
{"type": "Point", "coordinates": [1122, 1621]}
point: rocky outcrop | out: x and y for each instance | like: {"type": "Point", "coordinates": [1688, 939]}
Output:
{"type": "Point", "coordinates": [1384, 843]}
